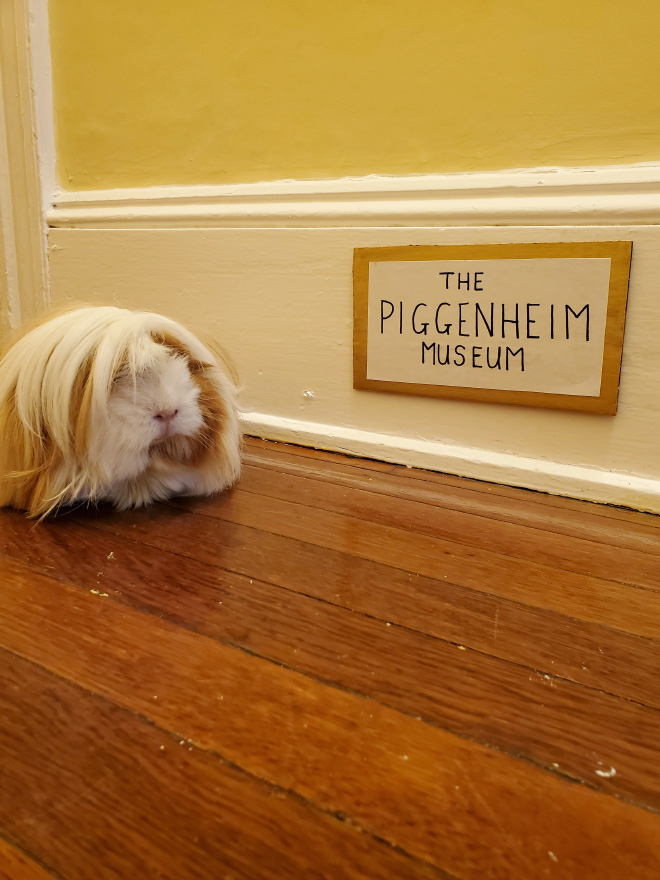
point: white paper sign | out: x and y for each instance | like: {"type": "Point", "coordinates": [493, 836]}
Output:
{"type": "Point", "coordinates": [510, 324]}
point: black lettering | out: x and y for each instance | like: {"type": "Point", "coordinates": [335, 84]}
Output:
{"type": "Point", "coordinates": [461, 355]}
{"type": "Point", "coordinates": [515, 321]}
{"type": "Point", "coordinates": [466, 283]}
{"type": "Point", "coordinates": [446, 274]}
{"type": "Point", "coordinates": [384, 317]}
{"type": "Point", "coordinates": [531, 320]}
{"type": "Point", "coordinates": [461, 319]}
{"type": "Point", "coordinates": [428, 347]}
{"type": "Point", "coordinates": [521, 352]}
{"type": "Point", "coordinates": [552, 321]}
{"type": "Point", "coordinates": [446, 360]}
{"type": "Point", "coordinates": [400, 318]}
{"type": "Point", "coordinates": [425, 325]}
{"type": "Point", "coordinates": [577, 315]}
{"type": "Point", "coordinates": [497, 364]}
{"type": "Point", "coordinates": [437, 324]}
{"type": "Point", "coordinates": [475, 356]}
{"type": "Point", "coordinates": [479, 313]}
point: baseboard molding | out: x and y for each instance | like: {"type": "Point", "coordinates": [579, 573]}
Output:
{"type": "Point", "coordinates": [592, 484]}
{"type": "Point", "coordinates": [536, 197]}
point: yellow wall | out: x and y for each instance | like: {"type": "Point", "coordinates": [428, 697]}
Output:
{"type": "Point", "coordinates": [219, 91]}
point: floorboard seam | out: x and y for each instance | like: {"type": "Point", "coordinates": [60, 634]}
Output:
{"type": "Point", "coordinates": [363, 696]}
{"type": "Point", "coordinates": [22, 849]}
{"type": "Point", "coordinates": [338, 815]}
{"type": "Point", "coordinates": [370, 490]}
{"type": "Point", "coordinates": [496, 552]}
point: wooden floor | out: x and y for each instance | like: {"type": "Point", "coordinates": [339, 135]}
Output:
{"type": "Point", "coordinates": [341, 669]}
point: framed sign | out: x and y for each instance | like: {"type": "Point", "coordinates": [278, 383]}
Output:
{"type": "Point", "coordinates": [530, 324]}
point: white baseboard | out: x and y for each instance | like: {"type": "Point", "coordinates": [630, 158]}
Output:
{"type": "Point", "coordinates": [274, 281]}
{"type": "Point", "coordinates": [536, 197]}
{"type": "Point", "coordinates": [592, 484]}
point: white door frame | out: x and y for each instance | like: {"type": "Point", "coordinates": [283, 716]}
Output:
{"type": "Point", "coordinates": [22, 213]}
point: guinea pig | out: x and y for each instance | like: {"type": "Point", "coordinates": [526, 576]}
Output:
{"type": "Point", "coordinates": [107, 404]}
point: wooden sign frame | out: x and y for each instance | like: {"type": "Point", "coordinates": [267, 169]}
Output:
{"type": "Point", "coordinates": [619, 252]}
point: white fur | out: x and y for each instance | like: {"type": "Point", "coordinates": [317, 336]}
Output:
{"type": "Point", "coordinates": [143, 419]}
{"type": "Point", "coordinates": [128, 435]}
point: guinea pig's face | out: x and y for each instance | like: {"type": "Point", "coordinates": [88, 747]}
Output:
{"type": "Point", "coordinates": [161, 401]}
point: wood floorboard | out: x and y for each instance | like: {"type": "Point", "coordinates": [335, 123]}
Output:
{"type": "Point", "coordinates": [340, 669]}
{"type": "Point", "coordinates": [433, 478]}
{"type": "Point", "coordinates": [532, 513]}
{"type": "Point", "coordinates": [268, 720]}
{"type": "Point", "coordinates": [610, 511]}
{"type": "Point", "coordinates": [598, 558]}
{"type": "Point", "coordinates": [188, 590]}
{"type": "Point", "coordinates": [581, 596]}
{"type": "Point", "coordinates": [490, 701]}
{"type": "Point", "coordinates": [364, 464]}
{"type": "Point", "coordinates": [100, 793]}
{"type": "Point", "coordinates": [16, 865]}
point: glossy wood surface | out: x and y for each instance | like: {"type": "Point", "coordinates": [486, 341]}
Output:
{"type": "Point", "coordinates": [340, 669]}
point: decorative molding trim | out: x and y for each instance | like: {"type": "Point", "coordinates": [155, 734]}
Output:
{"type": "Point", "coordinates": [20, 187]}
{"type": "Point", "coordinates": [541, 197]}
{"type": "Point", "coordinates": [592, 484]}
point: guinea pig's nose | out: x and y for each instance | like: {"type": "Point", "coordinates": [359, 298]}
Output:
{"type": "Point", "coordinates": [166, 415]}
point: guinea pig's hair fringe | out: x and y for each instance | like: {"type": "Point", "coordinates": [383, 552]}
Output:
{"type": "Point", "coordinates": [220, 356]}
{"type": "Point", "coordinates": [55, 381]}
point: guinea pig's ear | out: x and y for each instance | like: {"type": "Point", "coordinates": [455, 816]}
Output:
{"type": "Point", "coordinates": [223, 361]}
{"type": "Point", "coordinates": [177, 347]}
{"type": "Point", "coordinates": [196, 366]}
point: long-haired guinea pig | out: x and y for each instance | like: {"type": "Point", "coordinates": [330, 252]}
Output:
{"type": "Point", "coordinates": [106, 404]}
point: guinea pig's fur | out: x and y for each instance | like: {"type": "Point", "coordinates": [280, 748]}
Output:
{"type": "Point", "coordinates": [107, 404]}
